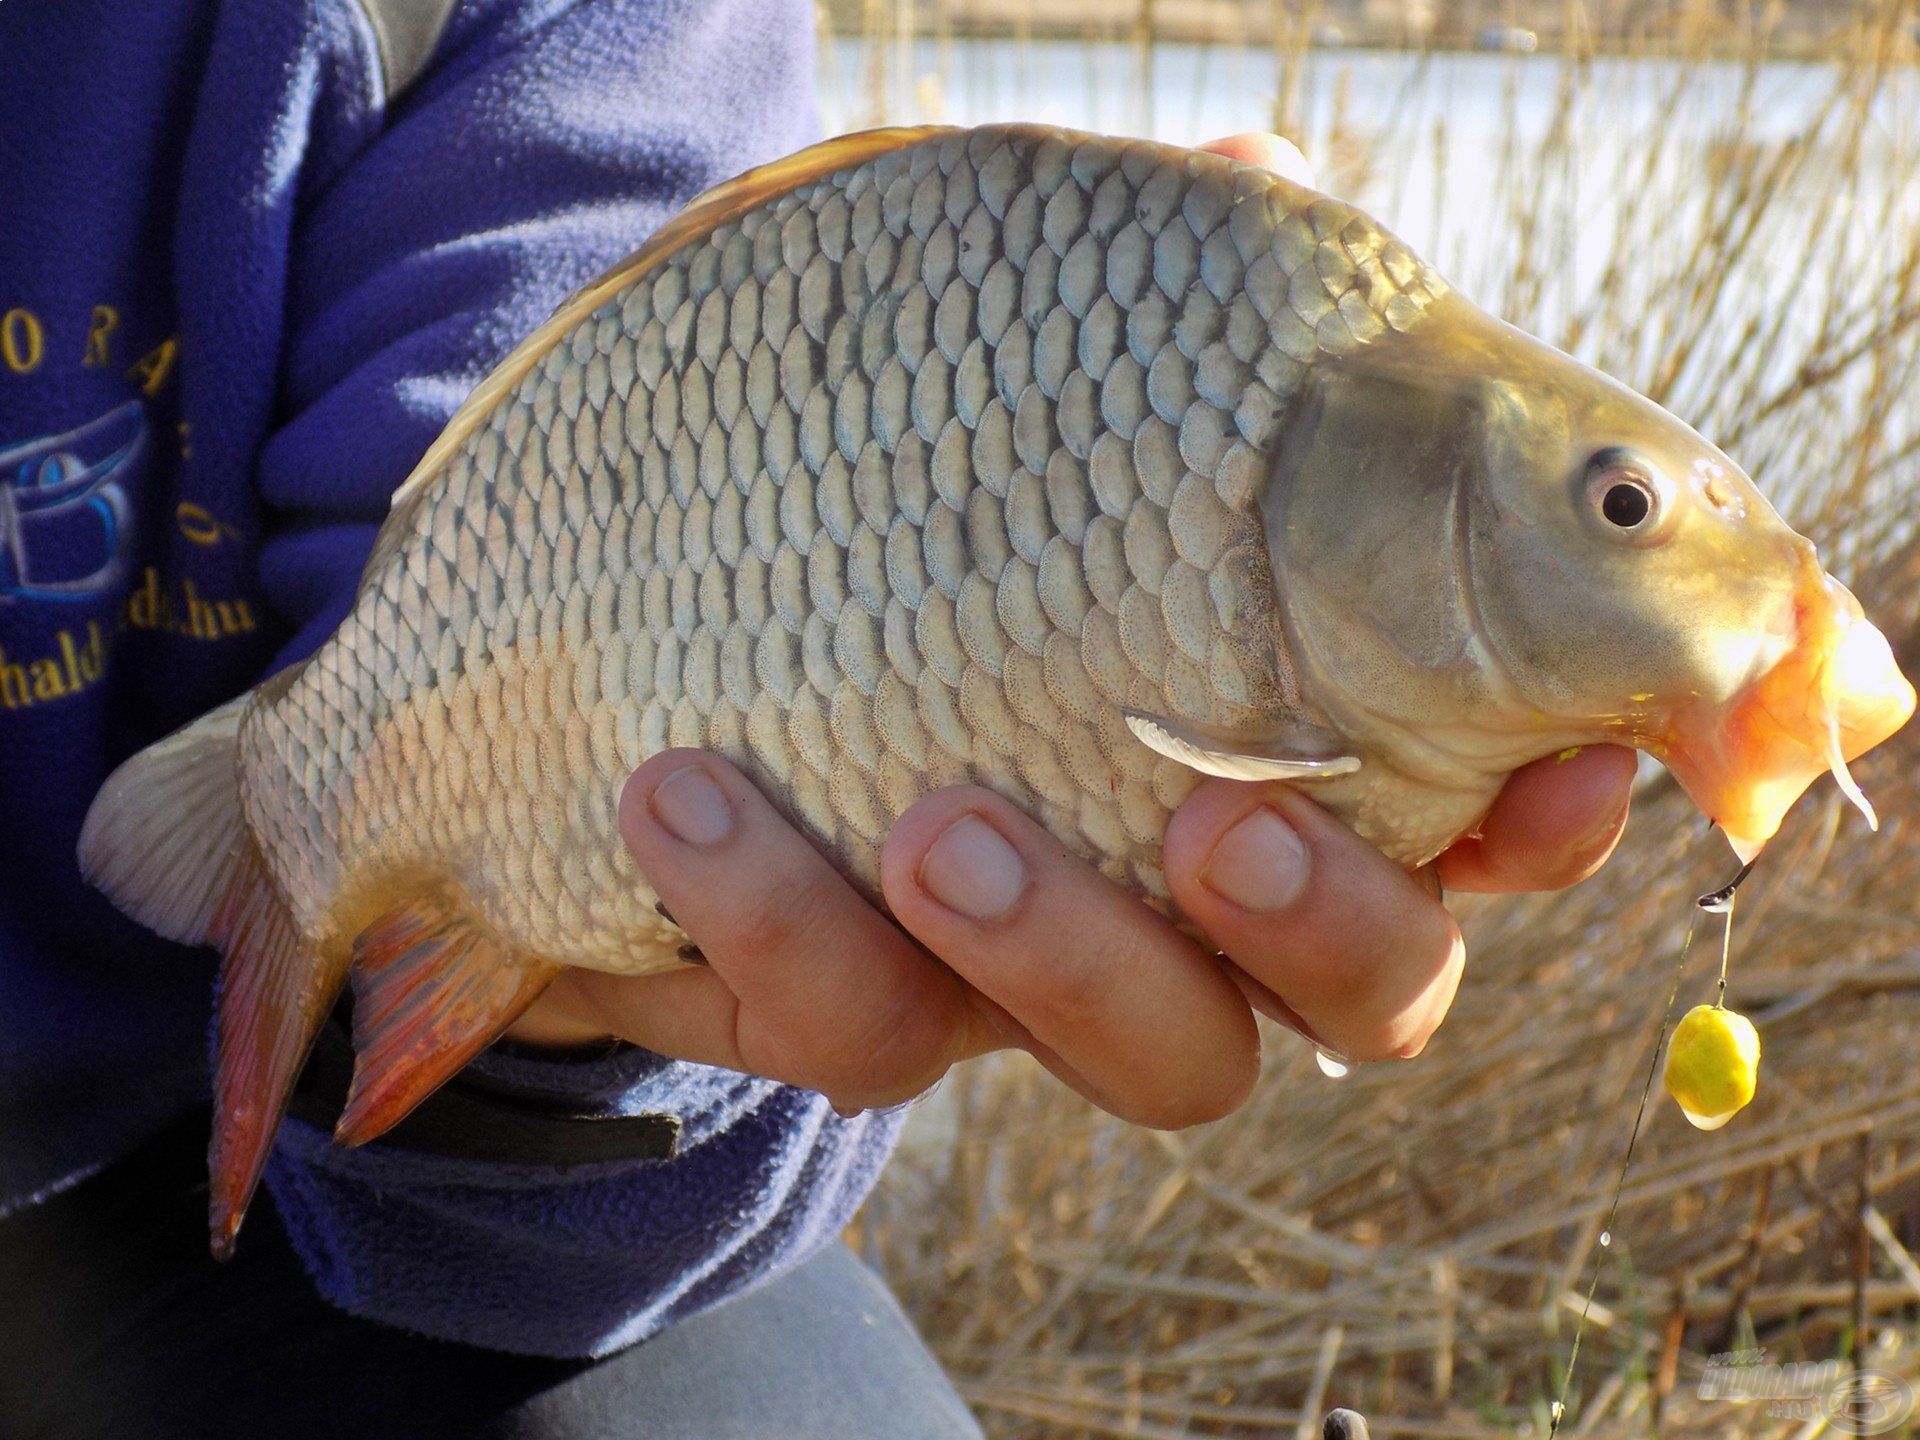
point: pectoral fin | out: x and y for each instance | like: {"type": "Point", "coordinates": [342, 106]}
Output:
{"type": "Point", "coordinates": [1289, 750]}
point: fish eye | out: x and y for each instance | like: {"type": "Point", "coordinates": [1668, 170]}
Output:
{"type": "Point", "coordinates": [1623, 493]}
{"type": "Point", "coordinates": [1626, 503]}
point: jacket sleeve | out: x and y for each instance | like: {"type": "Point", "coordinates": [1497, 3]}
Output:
{"type": "Point", "coordinates": [541, 143]}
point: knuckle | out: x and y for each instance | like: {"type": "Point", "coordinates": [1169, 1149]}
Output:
{"type": "Point", "coordinates": [1429, 943]}
{"type": "Point", "coordinates": [761, 933]}
{"type": "Point", "coordinates": [1066, 993]}
{"type": "Point", "coordinates": [894, 1044]}
{"type": "Point", "coordinates": [799, 924]}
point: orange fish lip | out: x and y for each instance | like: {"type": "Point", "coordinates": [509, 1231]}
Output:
{"type": "Point", "coordinates": [1831, 698]}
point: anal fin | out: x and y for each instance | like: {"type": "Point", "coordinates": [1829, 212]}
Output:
{"type": "Point", "coordinates": [274, 993]}
{"type": "Point", "coordinates": [432, 988]}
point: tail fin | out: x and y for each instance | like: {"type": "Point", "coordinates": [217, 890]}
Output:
{"type": "Point", "coordinates": [164, 837]}
{"type": "Point", "coordinates": [166, 840]}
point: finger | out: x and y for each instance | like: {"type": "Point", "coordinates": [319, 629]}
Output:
{"type": "Point", "coordinates": [1555, 823]}
{"type": "Point", "coordinates": [1119, 1003]}
{"type": "Point", "coordinates": [808, 983]}
{"type": "Point", "coordinates": [1350, 943]}
{"type": "Point", "coordinates": [1270, 152]}
{"type": "Point", "coordinates": [688, 1014]}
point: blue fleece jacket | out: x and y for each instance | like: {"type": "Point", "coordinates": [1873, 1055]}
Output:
{"type": "Point", "coordinates": [241, 289]}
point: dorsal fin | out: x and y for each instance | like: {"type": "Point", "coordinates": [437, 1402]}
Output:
{"type": "Point", "coordinates": [706, 212]}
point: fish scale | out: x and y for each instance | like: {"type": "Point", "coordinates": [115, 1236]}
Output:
{"type": "Point", "coordinates": [822, 493]}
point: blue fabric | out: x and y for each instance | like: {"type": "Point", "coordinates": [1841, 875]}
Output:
{"type": "Point", "coordinates": [240, 292]}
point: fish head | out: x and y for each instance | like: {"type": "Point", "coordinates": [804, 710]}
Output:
{"type": "Point", "coordinates": [1604, 572]}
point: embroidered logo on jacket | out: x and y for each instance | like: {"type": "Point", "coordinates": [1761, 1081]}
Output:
{"type": "Point", "coordinates": [64, 518]}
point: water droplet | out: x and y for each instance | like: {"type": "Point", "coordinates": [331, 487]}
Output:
{"type": "Point", "coordinates": [1334, 1067]}
{"type": "Point", "coordinates": [1606, 1238]}
{"type": "Point", "coordinates": [1556, 1411]}
{"type": "Point", "coordinates": [1708, 1122]}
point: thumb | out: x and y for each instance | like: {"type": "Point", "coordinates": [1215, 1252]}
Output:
{"type": "Point", "coordinates": [1282, 157]}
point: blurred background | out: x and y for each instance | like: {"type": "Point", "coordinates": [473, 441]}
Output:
{"type": "Point", "coordinates": [1718, 203]}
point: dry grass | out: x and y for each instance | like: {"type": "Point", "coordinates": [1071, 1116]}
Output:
{"type": "Point", "coordinates": [1416, 1241]}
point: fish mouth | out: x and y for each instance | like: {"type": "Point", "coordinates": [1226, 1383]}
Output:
{"type": "Point", "coordinates": [1836, 694]}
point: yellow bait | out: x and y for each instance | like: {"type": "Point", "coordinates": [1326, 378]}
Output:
{"type": "Point", "coordinates": [1713, 1065]}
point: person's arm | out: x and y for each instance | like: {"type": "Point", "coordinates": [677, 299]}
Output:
{"type": "Point", "coordinates": [539, 146]}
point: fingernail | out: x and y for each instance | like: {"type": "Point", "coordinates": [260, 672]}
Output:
{"type": "Point", "coordinates": [1259, 865]}
{"type": "Point", "coordinates": [691, 808]}
{"type": "Point", "coordinates": [972, 870]}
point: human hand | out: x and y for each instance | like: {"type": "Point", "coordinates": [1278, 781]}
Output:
{"type": "Point", "coordinates": [1000, 938]}
{"type": "Point", "coordinates": [1275, 153]}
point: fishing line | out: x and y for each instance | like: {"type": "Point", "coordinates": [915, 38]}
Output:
{"type": "Point", "coordinates": [1559, 1410]}
{"type": "Point", "coordinates": [1719, 902]}
{"type": "Point", "coordinates": [1726, 950]}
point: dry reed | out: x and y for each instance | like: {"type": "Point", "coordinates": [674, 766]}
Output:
{"type": "Point", "coordinates": [1416, 1241]}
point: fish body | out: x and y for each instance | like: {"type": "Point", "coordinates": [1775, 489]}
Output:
{"type": "Point", "coordinates": [926, 471]}
{"type": "Point", "coordinates": [1070, 466]}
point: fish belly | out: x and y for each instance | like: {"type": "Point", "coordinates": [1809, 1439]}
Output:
{"type": "Point", "coordinates": [916, 472]}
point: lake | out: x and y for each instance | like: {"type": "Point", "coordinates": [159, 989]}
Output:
{"type": "Point", "coordinates": [1436, 133]}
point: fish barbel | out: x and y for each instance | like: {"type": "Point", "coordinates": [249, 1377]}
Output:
{"type": "Point", "coordinates": [1070, 466]}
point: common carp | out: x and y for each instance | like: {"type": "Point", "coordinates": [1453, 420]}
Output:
{"type": "Point", "coordinates": [1071, 466]}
